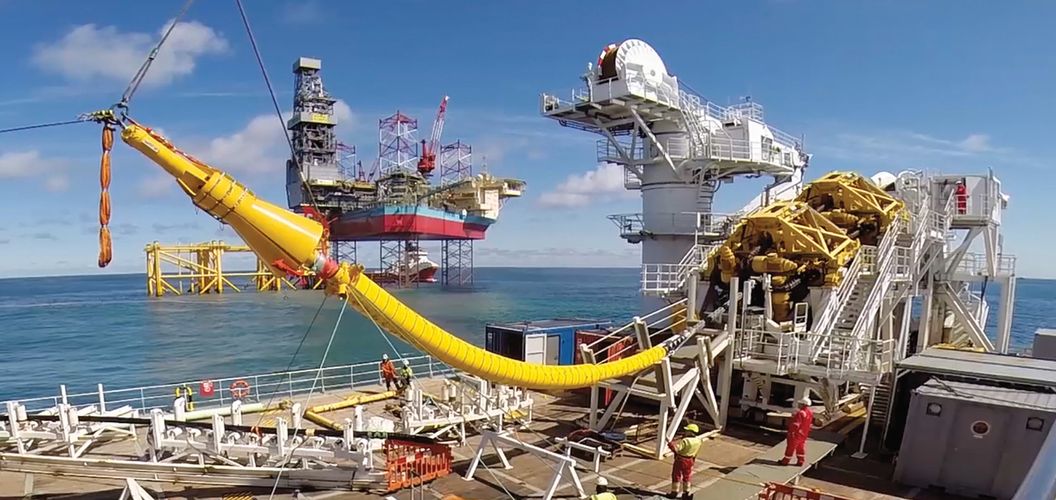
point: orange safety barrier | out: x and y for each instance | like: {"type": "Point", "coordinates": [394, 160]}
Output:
{"type": "Point", "coordinates": [410, 464]}
{"type": "Point", "coordinates": [778, 491]}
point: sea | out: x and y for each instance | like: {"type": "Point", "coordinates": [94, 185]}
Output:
{"type": "Point", "coordinates": [85, 330]}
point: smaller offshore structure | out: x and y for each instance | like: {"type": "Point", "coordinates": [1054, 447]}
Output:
{"type": "Point", "coordinates": [414, 192]}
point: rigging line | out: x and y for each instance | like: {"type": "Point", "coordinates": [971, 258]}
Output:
{"type": "Point", "coordinates": [275, 103]}
{"type": "Point", "coordinates": [41, 125]}
{"type": "Point", "coordinates": [308, 400]}
{"type": "Point", "coordinates": [133, 85]}
{"type": "Point", "coordinates": [289, 366]}
{"type": "Point", "coordinates": [414, 376]}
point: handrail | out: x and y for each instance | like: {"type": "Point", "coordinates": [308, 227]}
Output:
{"type": "Point", "coordinates": [278, 385]}
{"type": "Point", "coordinates": [883, 274]}
{"type": "Point", "coordinates": [672, 309]}
{"type": "Point", "coordinates": [837, 301]}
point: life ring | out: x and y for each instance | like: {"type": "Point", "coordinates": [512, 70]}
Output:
{"type": "Point", "coordinates": [240, 389]}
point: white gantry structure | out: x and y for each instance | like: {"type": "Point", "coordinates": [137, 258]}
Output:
{"type": "Point", "coordinates": [812, 289]}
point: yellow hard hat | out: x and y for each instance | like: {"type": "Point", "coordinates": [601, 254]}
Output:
{"type": "Point", "coordinates": [692, 428]}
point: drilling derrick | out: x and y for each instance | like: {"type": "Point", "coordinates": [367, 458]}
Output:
{"type": "Point", "coordinates": [312, 174]}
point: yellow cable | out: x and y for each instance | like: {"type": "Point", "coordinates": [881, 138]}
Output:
{"type": "Point", "coordinates": [392, 315]}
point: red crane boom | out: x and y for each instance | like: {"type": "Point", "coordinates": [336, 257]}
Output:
{"type": "Point", "coordinates": [427, 160]}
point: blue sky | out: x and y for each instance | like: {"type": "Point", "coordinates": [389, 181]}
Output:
{"type": "Point", "coordinates": [955, 86]}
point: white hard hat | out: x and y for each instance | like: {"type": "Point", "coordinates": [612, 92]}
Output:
{"type": "Point", "coordinates": [805, 401]}
{"type": "Point", "coordinates": [603, 482]}
{"type": "Point", "coordinates": [384, 356]}
{"type": "Point", "coordinates": [406, 363]}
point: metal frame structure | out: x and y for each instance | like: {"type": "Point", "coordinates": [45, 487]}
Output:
{"type": "Point", "coordinates": [75, 434]}
{"type": "Point", "coordinates": [344, 251]}
{"type": "Point", "coordinates": [565, 465]}
{"type": "Point", "coordinates": [456, 263]}
{"type": "Point", "coordinates": [465, 400]}
{"type": "Point", "coordinates": [456, 256]}
{"type": "Point", "coordinates": [839, 342]}
{"type": "Point", "coordinates": [397, 144]}
{"type": "Point", "coordinates": [198, 269]}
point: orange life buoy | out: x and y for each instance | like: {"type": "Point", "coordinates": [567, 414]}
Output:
{"type": "Point", "coordinates": [240, 389]}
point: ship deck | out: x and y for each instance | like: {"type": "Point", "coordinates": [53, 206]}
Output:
{"type": "Point", "coordinates": [733, 463]}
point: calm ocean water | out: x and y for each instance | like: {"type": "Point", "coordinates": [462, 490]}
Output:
{"type": "Point", "coordinates": [83, 330]}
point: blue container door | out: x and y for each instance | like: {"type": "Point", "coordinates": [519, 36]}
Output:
{"type": "Point", "coordinates": [568, 347]}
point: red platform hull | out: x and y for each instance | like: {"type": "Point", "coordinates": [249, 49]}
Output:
{"type": "Point", "coordinates": [391, 223]}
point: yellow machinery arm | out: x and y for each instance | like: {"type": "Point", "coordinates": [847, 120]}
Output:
{"type": "Point", "coordinates": [289, 242]}
{"type": "Point", "coordinates": [808, 240]}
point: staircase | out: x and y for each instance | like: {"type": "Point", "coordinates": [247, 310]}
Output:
{"type": "Point", "coordinates": [856, 301]}
{"type": "Point", "coordinates": [881, 404]}
{"type": "Point", "coordinates": [706, 188]}
{"type": "Point", "coordinates": [690, 107]}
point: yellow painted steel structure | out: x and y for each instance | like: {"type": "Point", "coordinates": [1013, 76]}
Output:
{"type": "Point", "coordinates": [853, 203]}
{"type": "Point", "coordinates": [199, 269]}
{"type": "Point", "coordinates": [288, 242]}
{"type": "Point", "coordinates": [314, 414]}
{"type": "Point", "coordinates": [806, 240]}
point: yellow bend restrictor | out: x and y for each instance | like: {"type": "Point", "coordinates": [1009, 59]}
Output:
{"type": "Point", "coordinates": [287, 241]}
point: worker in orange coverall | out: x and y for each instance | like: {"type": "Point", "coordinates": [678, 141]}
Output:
{"type": "Point", "coordinates": [388, 372]}
{"type": "Point", "coordinates": [960, 194]}
{"type": "Point", "coordinates": [798, 432]}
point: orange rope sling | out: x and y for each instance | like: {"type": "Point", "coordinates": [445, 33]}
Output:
{"type": "Point", "coordinates": [106, 251]}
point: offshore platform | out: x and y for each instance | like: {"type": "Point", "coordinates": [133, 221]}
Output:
{"type": "Point", "coordinates": [414, 191]}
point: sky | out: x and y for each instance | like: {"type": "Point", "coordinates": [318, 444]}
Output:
{"type": "Point", "coordinates": [943, 85]}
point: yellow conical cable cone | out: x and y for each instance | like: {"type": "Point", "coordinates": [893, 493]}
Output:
{"type": "Point", "coordinates": [274, 234]}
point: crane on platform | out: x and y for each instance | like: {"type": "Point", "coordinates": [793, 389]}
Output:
{"type": "Point", "coordinates": [427, 160]}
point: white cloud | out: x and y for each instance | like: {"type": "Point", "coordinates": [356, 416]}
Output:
{"type": "Point", "coordinates": [31, 164]}
{"type": "Point", "coordinates": [303, 12]}
{"type": "Point", "coordinates": [20, 164]}
{"type": "Point", "coordinates": [57, 183]}
{"type": "Point", "coordinates": [902, 145]}
{"type": "Point", "coordinates": [156, 186]}
{"type": "Point", "coordinates": [343, 114]}
{"type": "Point", "coordinates": [260, 146]}
{"type": "Point", "coordinates": [976, 143]}
{"type": "Point", "coordinates": [604, 183]}
{"type": "Point", "coordinates": [88, 52]}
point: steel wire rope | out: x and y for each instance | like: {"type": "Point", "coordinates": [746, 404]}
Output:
{"type": "Point", "coordinates": [395, 352]}
{"type": "Point", "coordinates": [137, 79]}
{"type": "Point", "coordinates": [43, 125]}
{"type": "Point", "coordinates": [308, 400]}
{"type": "Point", "coordinates": [275, 103]}
{"type": "Point", "coordinates": [520, 422]}
{"type": "Point", "coordinates": [289, 366]}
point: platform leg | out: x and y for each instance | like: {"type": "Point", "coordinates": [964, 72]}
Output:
{"type": "Point", "coordinates": [868, 416]}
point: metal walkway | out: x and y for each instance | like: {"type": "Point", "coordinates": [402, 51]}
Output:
{"type": "Point", "coordinates": [746, 481]}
